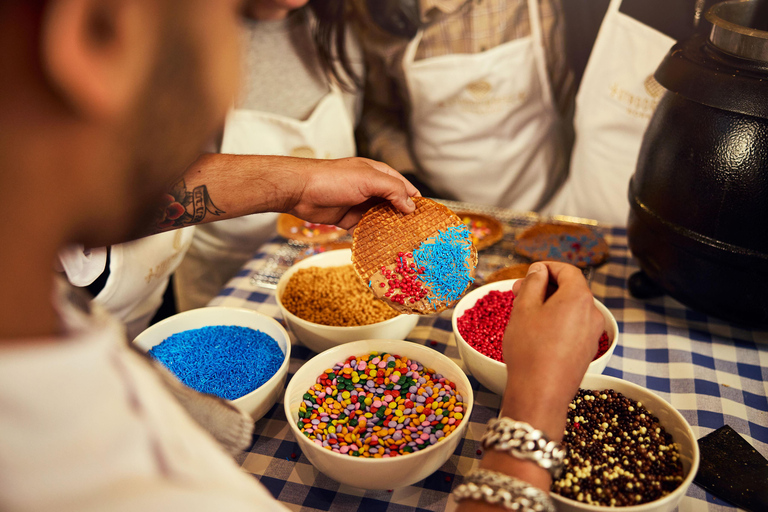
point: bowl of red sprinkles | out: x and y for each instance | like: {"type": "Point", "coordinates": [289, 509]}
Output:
{"type": "Point", "coordinates": [479, 321]}
{"type": "Point", "coordinates": [378, 414]}
{"type": "Point", "coordinates": [625, 447]}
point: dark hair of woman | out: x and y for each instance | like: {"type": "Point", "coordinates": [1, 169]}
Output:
{"type": "Point", "coordinates": [329, 34]}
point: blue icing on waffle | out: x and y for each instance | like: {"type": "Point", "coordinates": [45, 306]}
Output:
{"type": "Point", "coordinates": [445, 258]}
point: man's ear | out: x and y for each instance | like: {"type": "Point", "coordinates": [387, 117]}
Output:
{"type": "Point", "coordinates": [98, 54]}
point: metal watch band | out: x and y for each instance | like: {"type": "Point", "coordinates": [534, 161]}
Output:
{"type": "Point", "coordinates": [524, 442]}
{"type": "Point", "coordinates": [504, 490]}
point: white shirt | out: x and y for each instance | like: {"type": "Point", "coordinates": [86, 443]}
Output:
{"type": "Point", "coordinates": [86, 424]}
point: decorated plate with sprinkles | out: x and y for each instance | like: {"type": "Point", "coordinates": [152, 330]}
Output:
{"type": "Point", "coordinates": [421, 263]}
{"type": "Point", "coordinates": [512, 272]}
{"type": "Point", "coordinates": [570, 243]}
{"type": "Point", "coordinates": [485, 230]}
{"type": "Point", "coordinates": [294, 228]}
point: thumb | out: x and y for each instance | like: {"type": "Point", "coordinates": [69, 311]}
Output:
{"type": "Point", "coordinates": [392, 189]}
{"type": "Point", "coordinates": [533, 289]}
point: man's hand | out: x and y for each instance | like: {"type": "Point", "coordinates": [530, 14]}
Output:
{"type": "Point", "coordinates": [340, 191]}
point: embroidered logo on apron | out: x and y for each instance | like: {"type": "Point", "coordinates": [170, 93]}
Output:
{"type": "Point", "coordinates": [638, 105]}
{"type": "Point", "coordinates": [302, 152]}
{"type": "Point", "coordinates": [479, 89]}
{"type": "Point", "coordinates": [478, 98]}
{"type": "Point", "coordinates": [653, 88]}
{"type": "Point", "coordinates": [161, 270]}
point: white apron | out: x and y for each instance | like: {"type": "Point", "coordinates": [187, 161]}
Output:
{"type": "Point", "coordinates": [138, 274]}
{"type": "Point", "coordinates": [485, 128]}
{"type": "Point", "coordinates": [614, 104]}
{"type": "Point", "coordinates": [221, 248]}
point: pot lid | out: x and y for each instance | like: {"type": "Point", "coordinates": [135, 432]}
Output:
{"type": "Point", "coordinates": [740, 28]}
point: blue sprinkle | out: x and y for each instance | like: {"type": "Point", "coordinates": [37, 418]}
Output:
{"type": "Point", "coordinates": [445, 260]}
{"type": "Point", "coordinates": [223, 360]}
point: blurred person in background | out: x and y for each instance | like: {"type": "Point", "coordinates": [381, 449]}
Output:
{"type": "Point", "coordinates": [469, 99]}
{"type": "Point", "coordinates": [299, 97]}
{"type": "Point", "coordinates": [617, 95]}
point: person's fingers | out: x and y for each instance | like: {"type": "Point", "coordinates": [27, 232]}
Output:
{"type": "Point", "coordinates": [391, 188]}
{"type": "Point", "coordinates": [564, 272]}
{"type": "Point", "coordinates": [573, 289]}
{"type": "Point", "coordinates": [570, 280]}
{"type": "Point", "coordinates": [532, 290]}
{"type": "Point", "coordinates": [353, 215]}
{"type": "Point", "coordinates": [382, 167]}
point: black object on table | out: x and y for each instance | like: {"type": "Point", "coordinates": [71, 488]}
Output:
{"type": "Point", "coordinates": [732, 470]}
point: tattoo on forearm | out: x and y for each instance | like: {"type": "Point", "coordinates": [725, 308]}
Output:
{"type": "Point", "coordinates": [184, 208]}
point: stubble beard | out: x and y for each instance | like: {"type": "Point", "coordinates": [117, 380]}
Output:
{"type": "Point", "coordinates": [173, 121]}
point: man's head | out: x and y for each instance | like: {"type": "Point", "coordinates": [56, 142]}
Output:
{"type": "Point", "coordinates": [103, 104]}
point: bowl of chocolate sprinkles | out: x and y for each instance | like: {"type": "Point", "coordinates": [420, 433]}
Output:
{"type": "Point", "coordinates": [237, 354]}
{"type": "Point", "coordinates": [626, 447]}
{"type": "Point", "coordinates": [324, 304]}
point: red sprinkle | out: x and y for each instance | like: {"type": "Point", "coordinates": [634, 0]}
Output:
{"type": "Point", "coordinates": [604, 345]}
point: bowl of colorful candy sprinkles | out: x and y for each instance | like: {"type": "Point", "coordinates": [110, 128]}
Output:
{"type": "Point", "coordinates": [479, 321]}
{"type": "Point", "coordinates": [324, 304]}
{"type": "Point", "coordinates": [234, 353]}
{"type": "Point", "coordinates": [378, 414]}
{"type": "Point", "coordinates": [625, 447]}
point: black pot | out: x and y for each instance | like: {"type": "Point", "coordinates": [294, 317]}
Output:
{"type": "Point", "coordinates": [698, 222]}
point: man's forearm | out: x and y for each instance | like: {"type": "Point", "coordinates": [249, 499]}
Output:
{"type": "Point", "coordinates": [221, 186]}
{"type": "Point", "coordinates": [217, 187]}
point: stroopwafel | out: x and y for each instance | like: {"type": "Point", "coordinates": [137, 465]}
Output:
{"type": "Point", "coordinates": [294, 228]}
{"type": "Point", "coordinates": [569, 243]}
{"type": "Point", "coordinates": [486, 230]}
{"type": "Point", "coordinates": [417, 263]}
{"type": "Point", "coordinates": [512, 272]}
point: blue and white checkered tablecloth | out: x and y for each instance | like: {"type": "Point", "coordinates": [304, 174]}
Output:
{"type": "Point", "coordinates": [714, 373]}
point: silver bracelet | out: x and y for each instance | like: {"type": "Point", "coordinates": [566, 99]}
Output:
{"type": "Point", "coordinates": [524, 442]}
{"type": "Point", "coordinates": [504, 490]}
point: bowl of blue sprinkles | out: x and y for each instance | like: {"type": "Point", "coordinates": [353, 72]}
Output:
{"type": "Point", "coordinates": [234, 353]}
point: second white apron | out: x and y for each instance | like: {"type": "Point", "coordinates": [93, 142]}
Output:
{"type": "Point", "coordinates": [615, 102]}
{"type": "Point", "coordinates": [485, 128]}
{"type": "Point", "coordinates": [138, 276]}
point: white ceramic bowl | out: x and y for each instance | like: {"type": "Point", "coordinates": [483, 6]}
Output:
{"type": "Point", "coordinates": [260, 400]}
{"type": "Point", "coordinates": [319, 337]}
{"type": "Point", "coordinates": [491, 373]}
{"type": "Point", "coordinates": [669, 418]}
{"type": "Point", "coordinates": [370, 473]}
